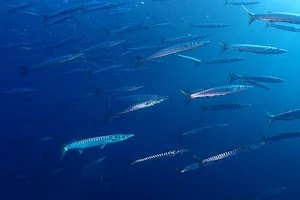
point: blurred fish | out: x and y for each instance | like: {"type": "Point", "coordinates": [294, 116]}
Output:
{"type": "Point", "coordinates": [54, 172]}
{"type": "Point", "coordinates": [209, 25]}
{"type": "Point", "coordinates": [17, 91]}
{"type": "Point", "coordinates": [15, 45]}
{"type": "Point", "coordinates": [283, 27]}
{"type": "Point", "coordinates": [60, 19]}
{"type": "Point", "coordinates": [104, 45]}
{"type": "Point", "coordinates": [76, 71]}
{"type": "Point", "coordinates": [136, 98]}
{"type": "Point", "coordinates": [218, 107]}
{"type": "Point", "coordinates": [184, 38]}
{"type": "Point", "coordinates": [80, 145]}
{"type": "Point", "coordinates": [105, 69]}
{"type": "Point", "coordinates": [172, 50]}
{"type": "Point", "coordinates": [285, 116]}
{"type": "Point", "coordinates": [195, 60]}
{"type": "Point", "coordinates": [240, 3]}
{"type": "Point", "coordinates": [282, 136]}
{"type": "Point", "coordinates": [119, 89]}
{"type": "Point", "coordinates": [160, 24]}
{"type": "Point", "coordinates": [22, 6]}
{"type": "Point", "coordinates": [202, 129]}
{"type": "Point", "coordinates": [104, 6]}
{"type": "Point", "coordinates": [64, 41]}
{"type": "Point", "coordinates": [95, 162]}
{"type": "Point", "coordinates": [259, 49]}
{"type": "Point", "coordinates": [160, 155]}
{"type": "Point", "coordinates": [30, 13]}
{"type": "Point", "coordinates": [262, 79]}
{"type": "Point", "coordinates": [223, 60]}
{"type": "Point", "coordinates": [274, 17]}
{"type": "Point", "coordinates": [128, 28]}
{"type": "Point", "coordinates": [258, 84]}
{"type": "Point", "coordinates": [216, 91]}
{"type": "Point", "coordinates": [119, 11]}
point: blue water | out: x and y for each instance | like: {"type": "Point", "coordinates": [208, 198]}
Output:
{"type": "Point", "coordinates": [26, 162]}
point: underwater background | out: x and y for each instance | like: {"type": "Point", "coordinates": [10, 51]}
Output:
{"type": "Point", "coordinates": [31, 167]}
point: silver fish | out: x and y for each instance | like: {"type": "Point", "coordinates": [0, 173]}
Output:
{"type": "Point", "coordinates": [22, 6]}
{"type": "Point", "coordinates": [104, 6]}
{"type": "Point", "coordinates": [104, 45]}
{"type": "Point", "coordinates": [258, 84]}
{"type": "Point", "coordinates": [76, 71]}
{"type": "Point", "coordinates": [230, 106]}
{"type": "Point", "coordinates": [105, 69]}
{"type": "Point", "coordinates": [283, 27]}
{"type": "Point", "coordinates": [160, 155]}
{"type": "Point", "coordinates": [95, 162]}
{"type": "Point", "coordinates": [285, 116]}
{"type": "Point", "coordinates": [18, 91]}
{"type": "Point", "coordinates": [119, 89]}
{"type": "Point", "coordinates": [282, 136]}
{"type": "Point", "coordinates": [224, 60]}
{"type": "Point", "coordinates": [184, 38]}
{"type": "Point", "coordinates": [209, 25]}
{"type": "Point", "coordinates": [262, 79]}
{"type": "Point", "coordinates": [195, 60]}
{"type": "Point", "coordinates": [240, 3]}
{"type": "Point", "coordinates": [259, 49]}
{"type": "Point", "coordinates": [216, 91]}
{"type": "Point", "coordinates": [93, 142]}
{"type": "Point", "coordinates": [202, 129]}
{"type": "Point", "coordinates": [172, 50]}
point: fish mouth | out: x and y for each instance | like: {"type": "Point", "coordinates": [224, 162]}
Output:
{"type": "Point", "coordinates": [130, 135]}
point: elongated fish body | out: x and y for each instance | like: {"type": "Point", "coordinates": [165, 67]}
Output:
{"type": "Point", "coordinates": [25, 12]}
{"type": "Point", "coordinates": [285, 116]}
{"type": "Point", "coordinates": [210, 25]}
{"type": "Point", "coordinates": [160, 155]}
{"type": "Point", "coordinates": [104, 6]}
{"type": "Point", "coordinates": [274, 191]}
{"type": "Point", "coordinates": [119, 11]}
{"type": "Point", "coordinates": [95, 141]}
{"type": "Point", "coordinates": [232, 152]}
{"type": "Point", "coordinates": [64, 41]}
{"type": "Point", "coordinates": [240, 3]}
{"type": "Point", "coordinates": [216, 91]}
{"type": "Point", "coordinates": [283, 27]}
{"type": "Point", "coordinates": [128, 28]}
{"type": "Point", "coordinates": [218, 107]}
{"type": "Point", "coordinates": [143, 48]}
{"type": "Point", "coordinates": [136, 98]}
{"type": "Point", "coordinates": [274, 17]}
{"type": "Point", "coordinates": [17, 91]}
{"type": "Point", "coordinates": [54, 61]}
{"type": "Point", "coordinates": [65, 11]}
{"type": "Point", "coordinates": [95, 162]}
{"type": "Point", "coordinates": [141, 105]}
{"type": "Point", "coordinates": [258, 84]}
{"type": "Point", "coordinates": [203, 129]}
{"type": "Point", "coordinates": [185, 38]}
{"type": "Point", "coordinates": [120, 89]}
{"type": "Point", "coordinates": [224, 60]}
{"type": "Point", "coordinates": [195, 60]}
{"type": "Point", "coordinates": [15, 45]}
{"type": "Point", "coordinates": [259, 49]}
{"type": "Point", "coordinates": [76, 71]}
{"type": "Point", "coordinates": [191, 167]}
{"type": "Point", "coordinates": [104, 45]}
{"type": "Point", "coordinates": [172, 50]}
{"type": "Point", "coordinates": [60, 19]}
{"type": "Point", "coordinates": [282, 136]}
{"type": "Point", "coordinates": [22, 6]}
{"type": "Point", "coordinates": [160, 24]}
{"type": "Point", "coordinates": [105, 69]}
{"type": "Point", "coordinates": [262, 79]}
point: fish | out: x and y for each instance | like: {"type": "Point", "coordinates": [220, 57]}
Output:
{"type": "Point", "coordinates": [30, 13]}
{"type": "Point", "coordinates": [142, 105]}
{"type": "Point", "coordinates": [283, 27]}
{"type": "Point", "coordinates": [160, 24]}
{"type": "Point", "coordinates": [202, 129]}
{"type": "Point", "coordinates": [55, 172]}
{"type": "Point", "coordinates": [223, 60]}
{"type": "Point", "coordinates": [262, 79]}
{"type": "Point", "coordinates": [104, 6]}
{"type": "Point", "coordinates": [221, 156]}
{"type": "Point", "coordinates": [214, 92]}
{"type": "Point", "coordinates": [259, 49]}
{"type": "Point", "coordinates": [51, 62]}
{"type": "Point", "coordinates": [240, 3]}
{"type": "Point", "coordinates": [17, 91]}
{"type": "Point", "coordinates": [120, 89]}
{"type": "Point", "coordinates": [80, 145]}
{"type": "Point", "coordinates": [185, 38]}
{"type": "Point", "coordinates": [258, 84]}
{"type": "Point", "coordinates": [217, 107]}
{"type": "Point", "coordinates": [60, 19]}
{"type": "Point", "coordinates": [22, 6]}
{"type": "Point", "coordinates": [274, 17]}
{"type": "Point", "coordinates": [76, 71]}
{"type": "Point", "coordinates": [285, 116]}
{"type": "Point", "coordinates": [209, 25]}
{"type": "Point", "coordinates": [15, 45]}
{"type": "Point", "coordinates": [105, 69]}
{"type": "Point", "coordinates": [119, 11]}
{"type": "Point", "coordinates": [64, 41]}
{"type": "Point", "coordinates": [172, 50]}
{"type": "Point", "coordinates": [281, 136]}
{"type": "Point", "coordinates": [195, 60]}
{"type": "Point", "coordinates": [95, 162]}
{"type": "Point", "coordinates": [104, 45]}
{"type": "Point", "coordinates": [160, 155]}
{"type": "Point", "coordinates": [127, 28]}
{"type": "Point", "coordinates": [136, 98]}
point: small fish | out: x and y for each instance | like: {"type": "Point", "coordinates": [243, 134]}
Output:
{"type": "Point", "coordinates": [191, 167]}
{"type": "Point", "coordinates": [283, 27]}
{"type": "Point", "coordinates": [105, 69]}
{"type": "Point", "coordinates": [259, 49]}
{"type": "Point", "coordinates": [209, 25]}
{"type": "Point", "coordinates": [258, 84]}
{"type": "Point", "coordinates": [136, 98]}
{"type": "Point", "coordinates": [60, 19]}
{"type": "Point", "coordinates": [76, 71]}
{"type": "Point", "coordinates": [25, 12]}
{"type": "Point", "coordinates": [282, 136]}
{"type": "Point", "coordinates": [119, 89]}
{"type": "Point", "coordinates": [15, 45]}
{"type": "Point", "coordinates": [274, 17]}
{"type": "Point", "coordinates": [240, 3]}
{"type": "Point", "coordinates": [128, 28]}
{"type": "Point", "coordinates": [285, 116]}
{"type": "Point", "coordinates": [262, 79]}
{"type": "Point", "coordinates": [195, 60]}
{"type": "Point", "coordinates": [95, 162]}
{"type": "Point", "coordinates": [93, 142]}
{"type": "Point", "coordinates": [22, 6]}
{"type": "Point", "coordinates": [17, 91]}
{"type": "Point", "coordinates": [160, 24]}
{"type": "Point", "coordinates": [224, 60]}
{"type": "Point", "coordinates": [160, 155]}
{"type": "Point", "coordinates": [172, 50]}
{"type": "Point", "coordinates": [202, 129]}
{"type": "Point", "coordinates": [45, 139]}
{"type": "Point", "coordinates": [142, 105]}
{"type": "Point", "coordinates": [217, 107]}
{"type": "Point", "coordinates": [216, 91]}
{"type": "Point", "coordinates": [64, 41]}
{"type": "Point", "coordinates": [104, 45]}
{"type": "Point", "coordinates": [185, 38]}
{"type": "Point", "coordinates": [104, 6]}
{"type": "Point", "coordinates": [119, 11]}
{"type": "Point", "coordinates": [55, 172]}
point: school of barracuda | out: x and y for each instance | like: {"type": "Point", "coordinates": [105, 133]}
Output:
{"type": "Point", "coordinates": [128, 99]}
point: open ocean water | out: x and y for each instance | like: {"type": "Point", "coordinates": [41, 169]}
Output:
{"type": "Point", "coordinates": [107, 78]}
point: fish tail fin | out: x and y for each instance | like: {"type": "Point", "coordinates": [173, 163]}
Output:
{"type": "Point", "coordinates": [179, 170]}
{"type": "Point", "coordinates": [199, 160]}
{"type": "Point", "coordinates": [251, 15]}
{"type": "Point", "coordinates": [263, 138]}
{"type": "Point", "coordinates": [24, 70]}
{"type": "Point", "coordinates": [271, 117]}
{"type": "Point", "coordinates": [267, 24]}
{"type": "Point", "coordinates": [225, 2]}
{"type": "Point", "coordinates": [139, 61]}
{"type": "Point", "coordinates": [232, 77]}
{"type": "Point", "coordinates": [223, 47]}
{"type": "Point", "coordinates": [188, 96]}
{"type": "Point", "coordinates": [203, 109]}
{"type": "Point", "coordinates": [63, 147]}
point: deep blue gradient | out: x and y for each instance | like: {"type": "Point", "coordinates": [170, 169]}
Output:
{"type": "Point", "coordinates": [25, 119]}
